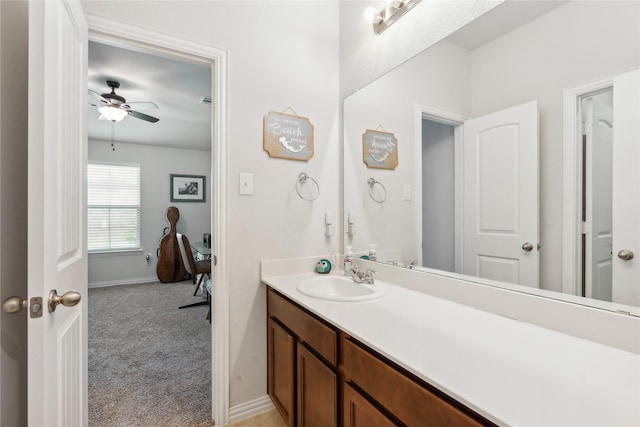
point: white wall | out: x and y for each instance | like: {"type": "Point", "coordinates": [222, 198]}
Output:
{"type": "Point", "coordinates": [13, 215]}
{"type": "Point", "coordinates": [365, 56]}
{"type": "Point", "coordinates": [156, 164]}
{"type": "Point", "coordinates": [439, 78]}
{"type": "Point", "coordinates": [538, 61]}
{"type": "Point", "coordinates": [280, 54]}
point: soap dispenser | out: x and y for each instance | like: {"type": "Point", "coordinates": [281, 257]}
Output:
{"type": "Point", "coordinates": [348, 260]}
{"type": "Point", "coordinates": [372, 253]}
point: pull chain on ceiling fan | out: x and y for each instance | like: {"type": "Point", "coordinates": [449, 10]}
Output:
{"type": "Point", "coordinates": [113, 131]}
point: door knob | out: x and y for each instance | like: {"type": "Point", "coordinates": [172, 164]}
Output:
{"type": "Point", "coordinates": [527, 247]}
{"type": "Point", "coordinates": [15, 304]}
{"type": "Point", "coordinates": [68, 299]}
{"type": "Point", "coordinates": [625, 254]}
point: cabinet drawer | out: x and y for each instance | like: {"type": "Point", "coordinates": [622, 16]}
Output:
{"type": "Point", "coordinates": [318, 335]}
{"type": "Point", "coordinates": [407, 400]}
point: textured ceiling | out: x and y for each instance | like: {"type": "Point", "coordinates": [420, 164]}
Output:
{"type": "Point", "coordinates": [176, 87]}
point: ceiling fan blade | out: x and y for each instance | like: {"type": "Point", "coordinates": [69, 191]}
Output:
{"type": "Point", "coordinates": [142, 106]}
{"type": "Point", "coordinates": [96, 97]}
{"type": "Point", "coordinates": [143, 116]}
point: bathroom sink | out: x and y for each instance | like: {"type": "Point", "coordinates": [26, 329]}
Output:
{"type": "Point", "coordinates": [339, 288]}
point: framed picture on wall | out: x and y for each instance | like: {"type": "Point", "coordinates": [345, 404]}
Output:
{"type": "Point", "coordinates": [188, 188]}
{"type": "Point", "coordinates": [379, 149]}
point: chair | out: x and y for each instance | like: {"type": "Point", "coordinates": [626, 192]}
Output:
{"type": "Point", "coordinates": [193, 267]}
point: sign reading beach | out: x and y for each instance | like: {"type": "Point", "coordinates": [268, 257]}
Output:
{"type": "Point", "coordinates": [379, 149]}
{"type": "Point", "coordinates": [288, 137]}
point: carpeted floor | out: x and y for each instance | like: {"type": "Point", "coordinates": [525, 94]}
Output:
{"type": "Point", "coordinates": [149, 363]}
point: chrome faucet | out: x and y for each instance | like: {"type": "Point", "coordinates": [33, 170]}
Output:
{"type": "Point", "coordinates": [353, 272]}
{"type": "Point", "coordinates": [362, 277]}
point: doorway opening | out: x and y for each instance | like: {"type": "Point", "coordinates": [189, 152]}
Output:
{"type": "Point", "coordinates": [438, 188]}
{"type": "Point", "coordinates": [167, 131]}
{"type": "Point", "coordinates": [114, 33]}
{"type": "Point", "coordinates": [438, 195]}
{"type": "Point", "coordinates": [594, 264]}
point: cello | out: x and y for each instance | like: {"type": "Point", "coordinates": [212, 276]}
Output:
{"type": "Point", "coordinates": [170, 267]}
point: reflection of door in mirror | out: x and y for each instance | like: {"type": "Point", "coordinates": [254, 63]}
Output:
{"type": "Point", "coordinates": [500, 201]}
{"type": "Point", "coordinates": [596, 213]}
{"type": "Point", "coordinates": [485, 232]}
{"type": "Point", "coordinates": [607, 230]}
{"type": "Point", "coordinates": [626, 188]}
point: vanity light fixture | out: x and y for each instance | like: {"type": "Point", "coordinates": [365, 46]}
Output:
{"type": "Point", "coordinates": [393, 10]}
{"type": "Point", "coordinates": [113, 114]}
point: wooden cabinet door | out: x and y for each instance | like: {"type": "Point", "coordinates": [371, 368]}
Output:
{"type": "Point", "coordinates": [280, 369]}
{"type": "Point", "coordinates": [359, 412]}
{"type": "Point", "coordinates": [317, 391]}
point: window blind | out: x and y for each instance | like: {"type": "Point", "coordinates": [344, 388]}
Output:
{"type": "Point", "coordinates": [113, 200]}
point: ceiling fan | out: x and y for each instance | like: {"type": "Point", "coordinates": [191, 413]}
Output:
{"type": "Point", "coordinates": [114, 107]}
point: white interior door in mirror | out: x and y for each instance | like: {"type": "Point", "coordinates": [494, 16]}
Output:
{"type": "Point", "coordinates": [500, 196]}
{"type": "Point", "coordinates": [598, 222]}
{"type": "Point", "coordinates": [626, 187]}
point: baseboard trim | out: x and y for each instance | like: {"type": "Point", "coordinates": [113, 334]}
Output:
{"type": "Point", "coordinates": [250, 408]}
{"type": "Point", "coordinates": [123, 282]}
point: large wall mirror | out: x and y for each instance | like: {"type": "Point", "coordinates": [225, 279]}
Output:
{"type": "Point", "coordinates": [512, 165]}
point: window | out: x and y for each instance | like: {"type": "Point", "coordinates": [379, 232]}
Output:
{"type": "Point", "coordinates": [113, 199]}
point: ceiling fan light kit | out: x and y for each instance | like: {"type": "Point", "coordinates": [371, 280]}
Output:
{"type": "Point", "coordinates": [114, 114]}
{"type": "Point", "coordinates": [114, 107]}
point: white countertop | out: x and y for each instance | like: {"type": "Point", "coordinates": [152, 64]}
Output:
{"type": "Point", "coordinates": [511, 372]}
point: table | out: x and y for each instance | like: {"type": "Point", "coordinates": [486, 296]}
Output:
{"type": "Point", "coordinates": [201, 249]}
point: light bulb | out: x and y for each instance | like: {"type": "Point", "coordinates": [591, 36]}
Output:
{"type": "Point", "coordinates": [371, 15]}
{"type": "Point", "coordinates": [113, 114]}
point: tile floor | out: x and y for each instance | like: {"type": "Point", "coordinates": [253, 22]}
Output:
{"type": "Point", "coordinates": [270, 418]}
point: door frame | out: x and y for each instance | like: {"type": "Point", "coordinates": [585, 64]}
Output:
{"type": "Point", "coordinates": [424, 111]}
{"type": "Point", "coordinates": [572, 181]}
{"type": "Point", "coordinates": [131, 37]}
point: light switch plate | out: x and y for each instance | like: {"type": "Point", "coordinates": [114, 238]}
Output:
{"type": "Point", "coordinates": [246, 184]}
{"type": "Point", "coordinates": [406, 192]}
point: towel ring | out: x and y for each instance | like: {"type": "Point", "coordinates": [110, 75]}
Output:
{"type": "Point", "coordinates": [302, 179]}
{"type": "Point", "coordinates": [372, 183]}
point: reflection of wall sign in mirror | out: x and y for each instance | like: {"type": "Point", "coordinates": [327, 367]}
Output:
{"type": "Point", "coordinates": [287, 136]}
{"type": "Point", "coordinates": [187, 188]}
{"type": "Point", "coordinates": [379, 149]}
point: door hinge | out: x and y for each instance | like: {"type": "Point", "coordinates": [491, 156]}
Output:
{"type": "Point", "coordinates": [587, 128]}
{"type": "Point", "coordinates": [586, 227]}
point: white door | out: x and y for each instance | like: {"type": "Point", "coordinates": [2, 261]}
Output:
{"type": "Point", "coordinates": [598, 221]}
{"type": "Point", "coordinates": [500, 187]}
{"type": "Point", "coordinates": [626, 188]}
{"type": "Point", "coordinates": [57, 341]}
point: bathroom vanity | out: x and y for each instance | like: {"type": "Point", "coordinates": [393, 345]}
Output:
{"type": "Point", "coordinates": [410, 358]}
{"type": "Point", "coordinates": [307, 374]}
